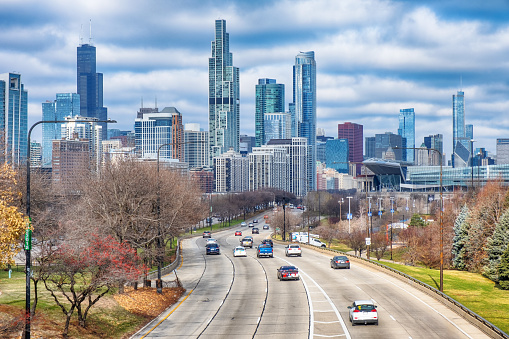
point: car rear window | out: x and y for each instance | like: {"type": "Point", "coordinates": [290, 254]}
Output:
{"type": "Point", "coordinates": [366, 308]}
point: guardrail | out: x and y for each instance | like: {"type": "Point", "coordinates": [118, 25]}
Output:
{"type": "Point", "coordinates": [477, 317]}
{"type": "Point", "coordinates": [167, 269]}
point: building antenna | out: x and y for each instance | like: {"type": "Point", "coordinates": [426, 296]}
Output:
{"type": "Point", "coordinates": [461, 83]}
{"type": "Point", "coordinates": [141, 102]}
{"type": "Point", "coordinates": [81, 35]}
{"type": "Point", "coordinates": [90, 37]}
{"type": "Point", "coordinates": [156, 102]}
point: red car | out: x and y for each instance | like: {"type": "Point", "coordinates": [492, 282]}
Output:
{"type": "Point", "coordinates": [238, 233]}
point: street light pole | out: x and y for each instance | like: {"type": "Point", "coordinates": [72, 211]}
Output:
{"type": "Point", "coordinates": [349, 214]}
{"type": "Point", "coordinates": [392, 222]}
{"type": "Point", "coordinates": [28, 234]}
{"type": "Point", "coordinates": [441, 218]}
{"type": "Point", "coordinates": [370, 230]}
{"type": "Point", "coordinates": [340, 205]}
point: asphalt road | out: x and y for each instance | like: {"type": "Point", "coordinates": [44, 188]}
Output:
{"type": "Point", "coordinates": [241, 297]}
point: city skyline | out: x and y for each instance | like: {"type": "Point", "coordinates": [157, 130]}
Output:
{"type": "Point", "coordinates": [374, 58]}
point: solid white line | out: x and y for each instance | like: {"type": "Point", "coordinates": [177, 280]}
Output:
{"type": "Point", "coordinates": [324, 311]}
{"type": "Point", "coordinates": [330, 336]}
{"type": "Point", "coordinates": [326, 322]}
{"type": "Point", "coordinates": [392, 317]}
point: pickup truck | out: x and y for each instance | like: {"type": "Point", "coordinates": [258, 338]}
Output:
{"type": "Point", "coordinates": [264, 251]}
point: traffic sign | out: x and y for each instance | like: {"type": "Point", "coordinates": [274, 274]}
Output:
{"type": "Point", "coordinates": [392, 210]}
{"type": "Point", "coordinates": [370, 214]}
{"type": "Point", "coordinates": [406, 208]}
{"type": "Point", "coordinates": [349, 216]}
{"type": "Point", "coordinates": [368, 241]}
{"type": "Point", "coordinates": [379, 212]}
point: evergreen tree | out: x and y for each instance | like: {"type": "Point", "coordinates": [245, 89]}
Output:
{"type": "Point", "coordinates": [496, 246]}
{"type": "Point", "coordinates": [416, 220]}
{"type": "Point", "coordinates": [503, 270]}
{"type": "Point", "coordinates": [460, 239]}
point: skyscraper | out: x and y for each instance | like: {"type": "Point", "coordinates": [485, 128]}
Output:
{"type": "Point", "coordinates": [304, 108]}
{"type": "Point", "coordinates": [277, 126]}
{"type": "Point", "coordinates": [13, 118]}
{"type": "Point", "coordinates": [435, 142]}
{"type": "Point", "coordinates": [224, 99]}
{"type": "Point", "coordinates": [407, 130]}
{"type": "Point", "coordinates": [458, 124]}
{"type": "Point", "coordinates": [270, 98]}
{"type": "Point", "coordinates": [65, 105]}
{"type": "Point", "coordinates": [90, 86]}
{"type": "Point", "coordinates": [196, 148]}
{"type": "Point", "coordinates": [153, 129]}
{"type": "Point", "coordinates": [502, 151]}
{"type": "Point", "coordinates": [354, 134]}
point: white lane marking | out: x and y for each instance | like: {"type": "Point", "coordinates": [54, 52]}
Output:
{"type": "Point", "coordinates": [311, 312]}
{"type": "Point", "coordinates": [419, 299]}
{"type": "Point", "coordinates": [326, 322]}
{"type": "Point", "coordinates": [330, 336]}
{"type": "Point", "coordinates": [311, 316]}
{"type": "Point", "coordinates": [392, 317]}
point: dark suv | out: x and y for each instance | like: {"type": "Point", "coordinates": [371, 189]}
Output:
{"type": "Point", "coordinates": [212, 249]}
{"type": "Point", "coordinates": [268, 242]}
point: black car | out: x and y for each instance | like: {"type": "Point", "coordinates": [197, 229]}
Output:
{"type": "Point", "coordinates": [212, 249]}
{"type": "Point", "coordinates": [340, 261]}
{"type": "Point", "coordinates": [255, 221]}
{"type": "Point", "coordinates": [255, 231]}
{"type": "Point", "coordinates": [268, 242]}
{"type": "Point", "coordinates": [206, 234]}
{"type": "Point", "coordinates": [265, 227]}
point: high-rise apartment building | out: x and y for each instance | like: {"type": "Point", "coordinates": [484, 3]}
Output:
{"type": "Point", "coordinates": [435, 142]}
{"type": "Point", "coordinates": [35, 154]}
{"type": "Point", "coordinates": [224, 98]}
{"type": "Point", "coordinates": [502, 151]}
{"type": "Point", "coordinates": [268, 168]}
{"type": "Point", "coordinates": [71, 158]}
{"type": "Point", "coordinates": [277, 126]}
{"type": "Point", "coordinates": [65, 105]}
{"type": "Point", "coordinates": [13, 118]}
{"type": "Point", "coordinates": [270, 98]}
{"type": "Point", "coordinates": [321, 141]}
{"type": "Point", "coordinates": [459, 134]}
{"type": "Point", "coordinates": [298, 150]}
{"type": "Point", "coordinates": [303, 108]}
{"type": "Point", "coordinates": [91, 132]}
{"type": "Point", "coordinates": [90, 86]}
{"type": "Point", "coordinates": [196, 146]}
{"type": "Point", "coordinates": [407, 130]}
{"type": "Point", "coordinates": [154, 129]}
{"type": "Point", "coordinates": [354, 134]}
{"type": "Point", "coordinates": [231, 172]}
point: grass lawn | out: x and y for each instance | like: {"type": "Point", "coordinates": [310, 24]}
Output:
{"type": "Point", "coordinates": [473, 290]}
{"type": "Point", "coordinates": [107, 319]}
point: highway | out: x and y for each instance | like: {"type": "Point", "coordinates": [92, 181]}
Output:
{"type": "Point", "coordinates": [241, 297]}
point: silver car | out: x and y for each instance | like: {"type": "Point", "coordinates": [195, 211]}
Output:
{"type": "Point", "coordinates": [363, 312]}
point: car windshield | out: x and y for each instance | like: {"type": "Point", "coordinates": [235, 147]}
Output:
{"type": "Point", "coordinates": [287, 268]}
{"type": "Point", "coordinates": [340, 258]}
{"type": "Point", "coordinates": [294, 246]}
{"type": "Point", "coordinates": [365, 308]}
{"type": "Point", "coordinates": [212, 245]}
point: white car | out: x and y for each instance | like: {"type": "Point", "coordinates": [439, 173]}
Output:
{"type": "Point", "coordinates": [239, 251]}
{"type": "Point", "coordinates": [363, 312]}
{"type": "Point", "coordinates": [243, 223]}
{"type": "Point", "coordinates": [211, 241]}
{"type": "Point", "coordinates": [293, 249]}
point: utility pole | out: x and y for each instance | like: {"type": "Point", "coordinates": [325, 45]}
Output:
{"type": "Point", "coordinates": [349, 214]}
{"type": "Point", "coordinates": [392, 222]}
{"type": "Point", "coordinates": [370, 229]}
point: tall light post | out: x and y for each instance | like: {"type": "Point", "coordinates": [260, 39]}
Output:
{"type": "Point", "coordinates": [340, 205]}
{"type": "Point", "coordinates": [380, 207]}
{"type": "Point", "coordinates": [472, 161]}
{"type": "Point", "coordinates": [28, 233]}
{"type": "Point", "coordinates": [159, 285]}
{"type": "Point", "coordinates": [370, 229]}
{"type": "Point", "coordinates": [349, 214]}
{"type": "Point", "coordinates": [392, 222]}
{"type": "Point", "coordinates": [441, 217]}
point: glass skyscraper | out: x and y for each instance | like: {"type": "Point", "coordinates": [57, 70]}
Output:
{"type": "Point", "coordinates": [90, 87]}
{"type": "Point", "coordinates": [336, 153]}
{"type": "Point", "coordinates": [270, 98]}
{"type": "Point", "coordinates": [65, 105]}
{"type": "Point", "coordinates": [277, 126]}
{"type": "Point", "coordinates": [458, 123]}
{"type": "Point", "coordinates": [407, 130]}
{"type": "Point", "coordinates": [224, 99]}
{"type": "Point", "coordinates": [303, 109]}
{"type": "Point", "coordinates": [13, 118]}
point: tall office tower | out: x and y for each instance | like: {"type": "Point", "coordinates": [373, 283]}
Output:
{"type": "Point", "coordinates": [369, 147]}
{"type": "Point", "coordinates": [389, 142]}
{"type": "Point", "coordinates": [336, 151]}
{"type": "Point", "coordinates": [502, 151]}
{"type": "Point", "coordinates": [65, 105]}
{"type": "Point", "coordinates": [435, 142]}
{"type": "Point", "coordinates": [154, 129]}
{"type": "Point", "coordinates": [270, 98]}
{"type": "Point", "coordinates": [224, 98]}
{"type": "Point", "coordinates": [277, 126]}
{"type": "Point", "coordinates": [268, 168]}
{"type": "Point", "coordinates": [246, 144]}
{"type": "Point", "coordinates": [321, 141]}
{"type": "Point", "coordinates": [407, 130]}
{"type": "Point", "coordinates": [354, 133]}
{"type": "Point", "coordinates": [196, 148]}
{"type": "Point", "coordinates": [297, 177]}
{"type": "Point", "coordinates": [231, 172]}
{"type": "Point", "coordinates": [13, 118]}
{"type": "Point", "coordinates": [91, 132]}
{"type": "Point", "coordinates": [458, 127]}
{"type": "Point", "coordinates": [90, 86]}
{"type": "Point", "coordinates": [304, 108]}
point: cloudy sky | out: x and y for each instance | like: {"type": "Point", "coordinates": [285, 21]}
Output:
{"type": "Point", "coordinates": [374, 57]}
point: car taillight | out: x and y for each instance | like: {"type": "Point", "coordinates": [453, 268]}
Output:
{"type": "Point", "coordinates": [356, 310]}
{"type": "Point", "coordinates": [373, 310]}
{"type": "Point", "coordinates": [347, 261]}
